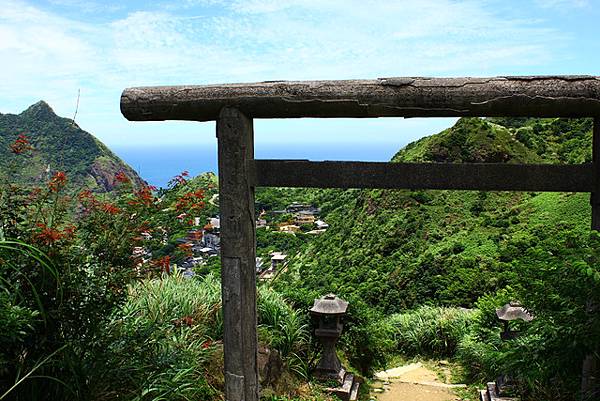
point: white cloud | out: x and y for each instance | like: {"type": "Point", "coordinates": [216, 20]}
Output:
{"type": "Point", "coordinates": [50, 56]}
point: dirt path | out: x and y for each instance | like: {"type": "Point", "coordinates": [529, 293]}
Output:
{"type": "Point", "coordinates": [413, 382]}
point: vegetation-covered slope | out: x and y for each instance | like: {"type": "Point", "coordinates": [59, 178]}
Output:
{"type": "Point", "coordinates": [400, 249]}
{"type": "Point", "coordinates": [58, 145]}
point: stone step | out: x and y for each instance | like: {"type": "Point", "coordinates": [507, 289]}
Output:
{"type": "Point", "coordinates": [343, 392]}
{"type": "Point", "coordinates": [491, 394]}
{"type": "Point", "coordinates": [354, 391]}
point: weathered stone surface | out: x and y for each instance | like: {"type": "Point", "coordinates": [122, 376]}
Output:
{"type": "Point", "coordinates": [238, 248]}
{"type": "Point", "coordinates": [540, 96]}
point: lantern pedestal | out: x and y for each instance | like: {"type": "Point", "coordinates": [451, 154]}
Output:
{"type": "Point", "coordinates": [329, 366]}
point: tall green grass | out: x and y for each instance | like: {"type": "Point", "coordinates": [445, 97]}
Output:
{"type": "Point", "coordinates": [431, 331]}
{"type": "Point", "coordinates": [285, 329]}
{"type": "Point", "coordinates": [165, 342]}
{"type": "Point", "coordinates": [160, 345]}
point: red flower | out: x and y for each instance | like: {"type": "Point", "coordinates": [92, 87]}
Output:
{"type": "Point", "coordinates": [20, 145]}
{"type": "Point", "coordinates": [179, 179]}
{"type": "Point", "coordinates": [110, 208]}
{"type": "Point", "coordinates": [122, 177]}
{"type": "Point", "coordinates": [206, 344]}
{"type": "Point", "coordinates": [69, 231]}
{"type": "Point", "coordinates": [164, 263]}
{"type": "Point", "coordinates": [143, 197]}
{"type": "Point", "coordinates": [47, 235]}
{"type": "Point", "coordinates": [191, 201]}
{"type": "Point", "coordinates": [186, 248]}
{"type": "Point", "coordinates": [85, 195]}
{"type": "Point", "coordinates": [58, 181]}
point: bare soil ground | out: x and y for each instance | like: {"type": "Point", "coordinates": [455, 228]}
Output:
{"type": "Point", "coordinates": [413, 382]}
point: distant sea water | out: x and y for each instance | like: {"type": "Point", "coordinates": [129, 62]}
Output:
{"type": "Point", "coordinates": [158, 164]}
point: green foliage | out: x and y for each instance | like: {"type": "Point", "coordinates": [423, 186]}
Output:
{"type": "Point", "coordinates": [269, 240]}
{"type": "Point", "coordinates": [405, 260]}
{"type": "Point", "coordinates": [63, 274]}
{"type": "Point", "coordinates": [431, 331]}
{"type": "Point", "coordinates": [392, 251]}
{"type": "Point", "coordinates": [165, 342]}
{"type": "Point", "coordinates": [281, 326]}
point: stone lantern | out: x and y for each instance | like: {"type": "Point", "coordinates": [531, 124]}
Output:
{"type": "Point", "coordinates": [509, 312]}
{"type": "Point", "coordinates": [329, 310]}
{"type": "Point", "coordinates": [506, 383]}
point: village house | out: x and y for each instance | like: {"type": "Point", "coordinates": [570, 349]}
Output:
{"type": "Point", "coordinates": [277, 262]}
{"type": "Point", "coordinates": [210, 234]}
{"type": "Point", "coordinates": [215, 222]}
{"type": "Point", "coordinates": [211, 240]}
{"type": "Point", "coordinates": [302, 218]}
{"type": "Point", "coordinates": [277, 259]}
{"type": "Point", "coordinates": [194, 235]}
{"type": "Point", "coordinates": [289, 228]}
{"type": "Point", "coordinates": [208, 252]}
{"type": "Point", "coordinates": [321, 225]}
{"type": "Point", "coordinates": [297, 207]}
{"type": "Point", "coordinates": [260, 223]}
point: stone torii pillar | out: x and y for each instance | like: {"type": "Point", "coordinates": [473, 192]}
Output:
{"type": "Point", "coordinates": [238, 254]}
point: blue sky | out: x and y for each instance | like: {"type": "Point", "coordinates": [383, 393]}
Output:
{"type": "Point", "coordinates": [51, 49]}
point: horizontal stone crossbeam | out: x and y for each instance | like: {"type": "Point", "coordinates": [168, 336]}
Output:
{"type": "Point", "coordinates": [545, 96]}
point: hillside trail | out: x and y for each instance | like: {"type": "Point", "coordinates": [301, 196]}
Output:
{"type": "Point", "coordinates": [413, 382]}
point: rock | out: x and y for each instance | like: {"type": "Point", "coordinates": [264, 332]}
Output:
{"type": "Point", "coordinates": [270, 365]}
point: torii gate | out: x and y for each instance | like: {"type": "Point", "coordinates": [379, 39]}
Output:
{"type": "Point", "coordinates": [234, 106]}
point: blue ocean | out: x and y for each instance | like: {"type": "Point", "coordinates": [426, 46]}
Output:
{"type": "Point", "coordinates": [157, 165]}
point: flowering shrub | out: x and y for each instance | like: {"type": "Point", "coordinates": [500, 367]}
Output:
{"type": "Point", "coordinates": [20, 145]}
{"type": "Point", "coordinates": [87, 240]}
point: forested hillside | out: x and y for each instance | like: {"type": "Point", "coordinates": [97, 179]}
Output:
{"type": "Point", "coordinates": [399, 249]}
{"type": "Point", "coordinates": [58, 144]}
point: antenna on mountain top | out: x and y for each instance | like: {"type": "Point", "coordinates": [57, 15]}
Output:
{"type": "Point", "coordinates": [77, 105]}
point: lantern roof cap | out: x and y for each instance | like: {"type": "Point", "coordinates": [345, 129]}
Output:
{"type": "Point", "coordinates": [329, 304]}
{"type": "Point", "coordinates": [513, 311]}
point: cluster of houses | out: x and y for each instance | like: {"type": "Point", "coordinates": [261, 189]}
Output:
{"type": "Point", "coordinates": [304, 215]}
{"type": "Point", "coordinates": [278, 261]}
{"type": "Point", "coordinates": [202, 244]}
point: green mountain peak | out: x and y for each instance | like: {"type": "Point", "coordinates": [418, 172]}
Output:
{"type": "Point", "coordinates": [40, 109]}
{"type": "Point", "coordinates": [59, 145]}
